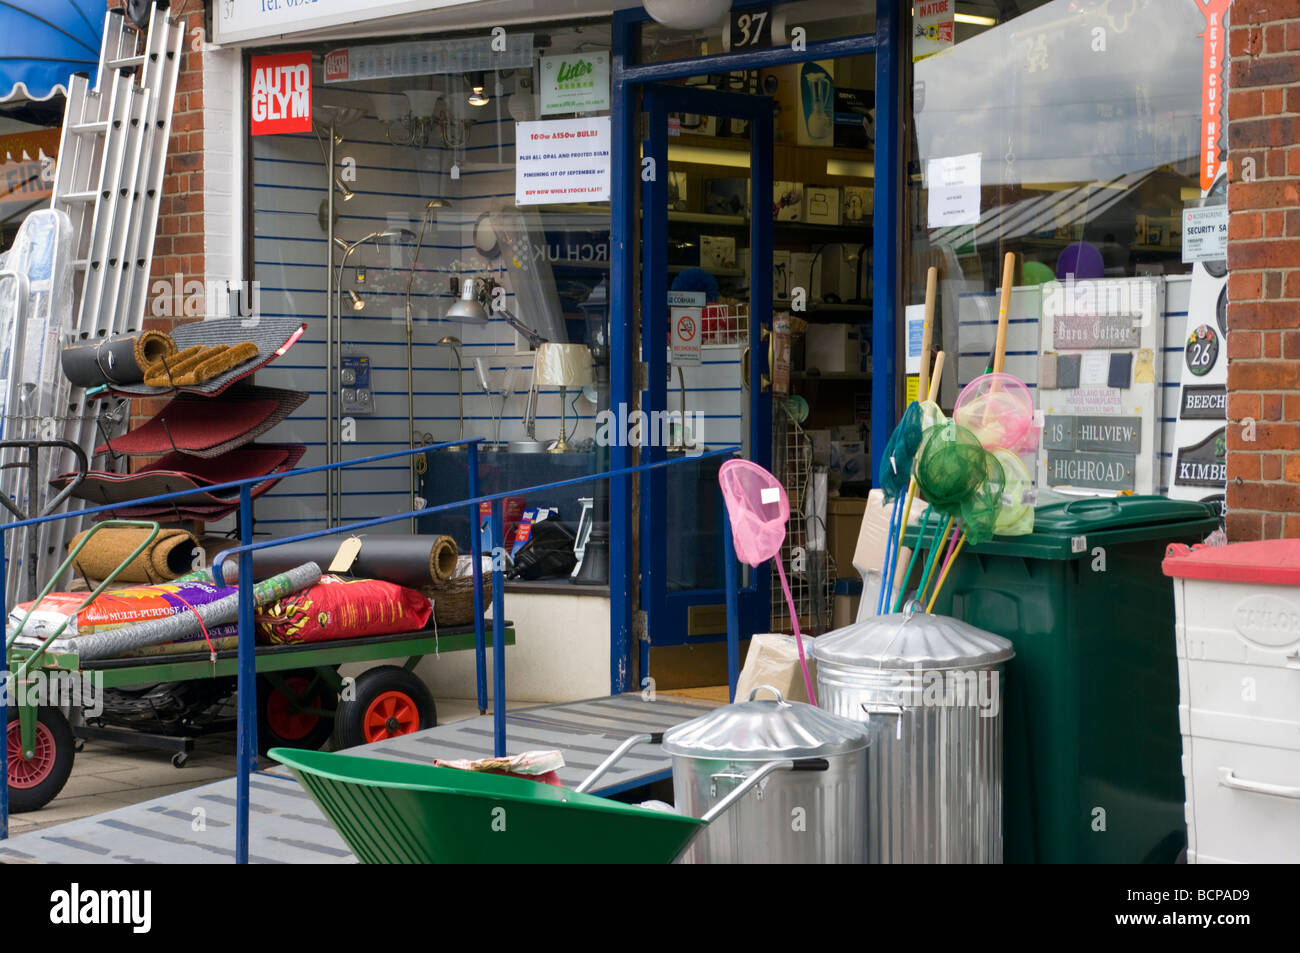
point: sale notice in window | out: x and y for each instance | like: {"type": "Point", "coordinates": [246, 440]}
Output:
{"type": "Point", "coordinates": [562, 160]}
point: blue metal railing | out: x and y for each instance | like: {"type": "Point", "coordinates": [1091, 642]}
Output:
{"type": "Point", "coordinates": [246, 751]}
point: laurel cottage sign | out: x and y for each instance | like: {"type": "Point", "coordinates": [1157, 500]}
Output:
{"type": "Point", "coordinates": [574, 82]}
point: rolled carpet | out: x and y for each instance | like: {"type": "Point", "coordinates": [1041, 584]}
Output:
{"type": "Point", "coordinates": [185, 624]}
{"type": "Point", "coordinates": [171, 554]}
{"type": "Point", "coordinates": [411, 561]}
{"type": "Point", "coordinates": [120, 359]}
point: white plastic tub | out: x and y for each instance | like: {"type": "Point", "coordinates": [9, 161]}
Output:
{"type": "Point", "coordinates": [1238, 632]}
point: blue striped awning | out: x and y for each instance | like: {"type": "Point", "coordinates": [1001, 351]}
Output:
{"type": "Point", "coordinates": [43, 42]}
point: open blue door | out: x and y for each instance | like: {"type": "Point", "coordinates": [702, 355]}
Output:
{"type": "Point", "coordinates": [706, 174]}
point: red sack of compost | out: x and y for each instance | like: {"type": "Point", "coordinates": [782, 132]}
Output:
{"type": "Point", "coordinates": [335, 608]}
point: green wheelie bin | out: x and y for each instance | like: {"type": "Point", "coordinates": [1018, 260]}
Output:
{"type": "Point", "coordinates": [1092, 769]}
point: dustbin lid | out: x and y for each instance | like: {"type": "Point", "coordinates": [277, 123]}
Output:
{"type": "Point", "coordinates": [1063, 530]}
{"type": "Point", "coordinates": [767, 729]}
{"type": "Point", "coordinates": [1271, 562]}
{"type": "Point", "coordinates": [1122, 512]}
{"type": "Point", "coordinates": [908, 640]}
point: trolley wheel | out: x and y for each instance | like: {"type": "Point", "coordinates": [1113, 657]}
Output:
{"type": "Point", "coordinates": [79, 745]}
{"type": "Point", "coordinates": [34, 783]}
{"type": "Point", "coordinates": [179, 759]}
{"type": "Point", "coordinates": [280, 726]}
{"type": "Point", "coordinates": [389, 701]}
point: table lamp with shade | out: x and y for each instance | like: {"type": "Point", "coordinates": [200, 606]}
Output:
{"type": "Point", "coordinates": [563, 366]}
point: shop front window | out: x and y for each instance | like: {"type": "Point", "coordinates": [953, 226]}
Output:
{"type": "Point", "coordinates": [425, 212]}
{"type": "Point", "coordinates": [1069, 134]}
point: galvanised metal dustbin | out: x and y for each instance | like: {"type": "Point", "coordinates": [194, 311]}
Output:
{"type": "Point", "coordinates": [933, 685]}
{"type": "Point", "coordinates": [797, 816]}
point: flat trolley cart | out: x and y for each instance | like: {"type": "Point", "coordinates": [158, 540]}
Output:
{"type": "Point", "coordinates": [302, 699]}
{"type": "Point", "coordinates": [398, 812]}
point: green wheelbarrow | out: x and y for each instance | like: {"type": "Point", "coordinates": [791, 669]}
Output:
{"type": "Point", "coordinates": [396, 812]}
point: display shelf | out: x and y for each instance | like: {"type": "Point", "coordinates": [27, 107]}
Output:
{"type": "Point", "coordinates": [715, 272]}
{"type": "Point", "coordinates": [844, 376]}
{"type": "Point", "coordinates": [784, 304]}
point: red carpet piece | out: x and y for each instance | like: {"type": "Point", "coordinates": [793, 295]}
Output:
{"type": "Point", "coordinates": [177, 472]}
{"type": "Point", "coordinates": [209, 426]}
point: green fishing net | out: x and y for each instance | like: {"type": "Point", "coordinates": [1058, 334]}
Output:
{"type": "Point", "coordinates": [950, 466]}
{"type": "Point", "coordinates": [980, 510]}
{"type": "Point", "coordinates": [1016, 518]}
{"type": "Point", "coordinates": [931, 415]}
{"type": "Point", "coordinates": [900, 452]}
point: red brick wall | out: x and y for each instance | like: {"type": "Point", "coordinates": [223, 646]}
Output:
{"type": "Point", "coordinates": [178, 246]}
{"type": "Point", "coordinates": [1264, 270]}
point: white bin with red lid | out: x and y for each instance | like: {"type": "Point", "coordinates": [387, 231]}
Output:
{"type": "Point", "coordinates": [1238, 639]}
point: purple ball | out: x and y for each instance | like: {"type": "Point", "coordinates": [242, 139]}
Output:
{"type": "Point", "coordinates": [1082, 260]}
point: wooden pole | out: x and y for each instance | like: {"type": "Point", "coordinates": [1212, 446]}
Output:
{"type": "Point", "coordinates": [1004, 312]}
{"type": "Point", "coordinates": [927, 329]}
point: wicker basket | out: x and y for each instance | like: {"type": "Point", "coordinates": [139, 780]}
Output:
{"type": "Point", "coordinates": [453, 601]}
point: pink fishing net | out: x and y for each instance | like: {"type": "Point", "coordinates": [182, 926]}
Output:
{"type": "Point", "coordinates": [758, 508]}
{"type": "Point", "coordinates": [999, 410]}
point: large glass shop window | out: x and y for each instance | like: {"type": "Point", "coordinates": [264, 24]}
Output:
{"type": "Point", "coordinates": [1069, 133]}
{"type": "Point", "coordinates": [443, 289]}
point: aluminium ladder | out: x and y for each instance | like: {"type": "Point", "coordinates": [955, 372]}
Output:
{"type": "Point", "coordinates": [108, 180]}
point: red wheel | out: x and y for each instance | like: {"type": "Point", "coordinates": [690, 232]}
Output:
{"type": "Point", "coordinates": [283, 724]}
{"type": "Point", "coordinates": [389, 715]}
{"type": "Point", "coordinates": [384, 703]}
{"type": "Point", "coordinates": [30, 773]}
{"type": "Point", "coordinates": [35, 781]}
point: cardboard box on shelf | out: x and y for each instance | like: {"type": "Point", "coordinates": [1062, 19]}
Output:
{"type": "Point", "coordinates": [821, 205]}
{"type": "Point", "coordinates": [781, 274]}
{"type": "Point", "coordinates": [717, 251]}
{"type": "Point", "coordinates": [844, 520]}
{"type": "Point", "coordinates": [855, 126]}
{"type": "Point", "coordinates": [787, 201]}
{"type": "Point", "coordinates": [857, 204]}
{"type": "Point", "coordinates": [728, 196]}
{"type": "Point", "coordinates": [831, 348]}
{"type": "Point", "coordinates": [841, 272]}
{"type": "Point", "coordinates": [677, 191]}
{"type": "Point", "coordinates": [806, 273]}
{"type": "Point", "coordinates": [815, 120]}
{"type": "Point", "coordinates": [849, 462]}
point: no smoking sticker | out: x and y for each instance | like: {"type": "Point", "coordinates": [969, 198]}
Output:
{"type": "Point", "coordinates": [686, 335]}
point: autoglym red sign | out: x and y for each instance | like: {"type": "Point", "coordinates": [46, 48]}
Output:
{"type": "Point", "coordinates": [281, 94]}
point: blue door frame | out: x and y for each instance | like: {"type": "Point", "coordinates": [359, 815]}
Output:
{"type": "Point", "coordinates": [667, 612]}
{"type": "Point", "coordinates": [628, 75]}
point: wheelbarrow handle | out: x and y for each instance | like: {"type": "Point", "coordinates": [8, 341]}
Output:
{"type": "Point", "coordinates": [616, 755]}
{"type": "Point", "coordinates": [802, 764]}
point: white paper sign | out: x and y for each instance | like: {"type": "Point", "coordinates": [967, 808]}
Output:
{"type": "Point", "coordinates": [954, 184]}
{"type": "Point", "coordinates": [685, 319]}
{"type": "Point", "coordinates": [1205, 233]}
{"type": "Point", "coordinates": [574, 83]}
{"type": "Point", "coordinates": [915, 330]}
{"type": "Point", "coordinates": [562, 160]}
{"type": "Point", "coordinates": [1094, 369]}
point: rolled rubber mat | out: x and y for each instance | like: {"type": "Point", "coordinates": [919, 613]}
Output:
{"type": "Point", "coordinates": [209, 426]}
{"type": "Point", "coordinates": [273, 336]}
{"type": "Point", "coordinates": [171, 554]}
{"type": "Point", "coordinates": [177, 472]}
{"type": "Point", "coordinates": [120, 359]}
{"type": "Point", "coordinates": [411, 561]}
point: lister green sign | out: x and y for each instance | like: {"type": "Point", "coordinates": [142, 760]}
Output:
{"type": "Point", "coordinates": [574, 83]}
